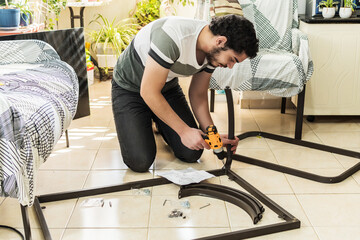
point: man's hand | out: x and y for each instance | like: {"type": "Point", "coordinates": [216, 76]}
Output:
{"type": "Point", "coordinates": [233, 142]}
{"type": "Point", "coordinates": [192, 138]}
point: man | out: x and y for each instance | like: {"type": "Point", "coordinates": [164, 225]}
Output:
{"type": "Point", "coordinates": [145, 84]}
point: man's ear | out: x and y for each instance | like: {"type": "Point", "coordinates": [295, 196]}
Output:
{"type": "Point", "coordinates": [220, 41]}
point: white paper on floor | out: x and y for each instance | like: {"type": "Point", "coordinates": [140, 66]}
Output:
{"type": "Point", "coordinates": [186, 176]}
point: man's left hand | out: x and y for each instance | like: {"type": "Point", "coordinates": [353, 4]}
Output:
{"type": "Point", "coordinates": [233, 142]}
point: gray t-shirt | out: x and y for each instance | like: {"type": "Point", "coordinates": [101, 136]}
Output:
{"type": "Point", "coordinates": [171, 42]}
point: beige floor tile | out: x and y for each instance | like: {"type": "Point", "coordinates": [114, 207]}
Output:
{"type": "Point", "coordinates": [301, 185]}
{"type": "Point", "coordinates": [59, 181]}
{"type": "Point", "coordinates": [267, 181]}
{"type": "Point", "coordinates": [83, 138]}
{"type": "Point", "coordinates": [57, 214]}
{"type": "Point", "coordinates": [10, 213]}
{"type": "Point", "coordinates": [348, 162]}
{"type": "Point", "coordinates": [70, 159]}
{"type": "Point", "coordinates": [125, 212]}
{"type": "Point", "coordinates": [305, 158]}
{"type": "Point", "coordinates": [90, 122]}
{"type": "Point", "coordinates": [96, 234]}
{"type": "Point", "coordinates": [239, 218]}
{"type": "Point", "coordinates": [331, 210]}
{"type": "Point", "coordinates": [212, 216]}
{"type": "Point", "coordinates": [56, 234]}
{"type": "Point", "coordinates": [308, 136]}
{"type": "Point", "coordinates": [302, 233]}
{"type": "Point", "coordinates": [335, 233]}
{"type": "Point", "coordinates": [356, 176]}
{"type": "Point", "coordinates": [110, 140]}
{"type": "Point", "coordinates": [110, 159]}
{"type": "Point", "coordinates": [36, 234]}
{"type": "Point", "coordinates": [112, 124]}
{"type": "Point", "coordinates": [261, 154]}
{"type": "Point", "coordinates": [346, 140]}
{"type": "Point", "coordinates": [252, 142]}
{"type": "Point", "coordinates": [184, 233]}
{"type": "Point", "coordinates": [98, 179]}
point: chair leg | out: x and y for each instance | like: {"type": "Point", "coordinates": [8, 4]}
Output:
{"type": "Point", "coordinates": [212, 100]}
{"type": "Point", "coordinates": [300, 114]}
{"type": "Point", "coordinates": [67, 138]}
{"type": "Point", "coordinates": [26, 222]}
{"type": "Point", "coordinates": [283, 105]}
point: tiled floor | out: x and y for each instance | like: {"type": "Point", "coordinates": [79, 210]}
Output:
{"type": "Point", "coordinates": [327, 212]}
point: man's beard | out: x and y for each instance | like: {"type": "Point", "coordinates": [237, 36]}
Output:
{"type": "Point", "coordinates": [211, 56]}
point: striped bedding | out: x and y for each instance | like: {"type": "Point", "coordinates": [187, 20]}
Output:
{"type": "Point", "coordinates": [38, 99]}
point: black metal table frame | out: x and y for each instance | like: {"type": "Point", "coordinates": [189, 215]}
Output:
{"type": "Point", "coordinates": [299, 110]}
{"type": "Point", "coordinates": [290, 221]}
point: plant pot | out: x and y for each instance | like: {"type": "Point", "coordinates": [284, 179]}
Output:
{"type": "Point", "coordinates": [9, 18]}
{"type": "Point", "coordinates": [25, 19]}
{"type": "Point", "coordinates": [106, 60]}
{"type": "Point", "coordinates": [328, 12]}
{"type": "Point", "coordinates": [345, 12]}
{"type": "Point", "coordinates": [109, 50]}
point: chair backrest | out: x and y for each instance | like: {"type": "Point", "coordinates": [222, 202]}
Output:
{"type": "Point", "coordinates": [273, 21]}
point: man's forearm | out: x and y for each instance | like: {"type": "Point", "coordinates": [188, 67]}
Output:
{"type": "Point", "coordinates": [199, 105]}
{"type": "Point", "coordinates": [198, 95]}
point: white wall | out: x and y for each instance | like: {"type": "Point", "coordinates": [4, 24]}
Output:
{"type": "Point", "coordinates": [116, 8]}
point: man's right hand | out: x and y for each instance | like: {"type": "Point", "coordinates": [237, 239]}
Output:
{"type": "Point", "coordinates": [192, 139]}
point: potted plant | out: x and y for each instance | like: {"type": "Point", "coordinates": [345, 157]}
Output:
{"type": "Point", "coordinates": [25, 12]}
{"type": "Point", "coordinates": [9, 17]}
{"type": "Point", "coordinates": [328, 8]}
{"type": "Point", "coordinates": [111, 39]}
{"type": "Point", "coordinates": [348, 9]}
{"type": "Point", "coordinates": [52, 12]}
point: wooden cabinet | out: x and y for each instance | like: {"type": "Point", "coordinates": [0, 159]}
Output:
{"type": "Point", "coordinates": [334, 88]}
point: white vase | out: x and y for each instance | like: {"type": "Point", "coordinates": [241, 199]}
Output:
{"type": "Point", "coordinates": [345, 12]}
{"type": "Point", "coordinates": [328, 12]}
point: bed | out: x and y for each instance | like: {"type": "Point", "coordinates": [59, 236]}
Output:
{"type": "Point", "coordinates": [39, 96]}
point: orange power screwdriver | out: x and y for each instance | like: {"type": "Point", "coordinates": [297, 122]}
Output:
{"type": "Point", "coordinates": [213, 139]}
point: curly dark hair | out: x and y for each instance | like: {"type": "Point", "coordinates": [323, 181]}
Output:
{"type": "Point", "coordinates": [239, 31]}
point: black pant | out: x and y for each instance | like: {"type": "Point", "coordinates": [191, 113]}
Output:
{"type": "Point", "coordinates": [133, 120]}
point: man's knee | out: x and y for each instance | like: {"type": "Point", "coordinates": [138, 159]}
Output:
{"type": "Point", "coordinates": [140, 162]}
{"type": "Point", "coordinates": [189, 155]}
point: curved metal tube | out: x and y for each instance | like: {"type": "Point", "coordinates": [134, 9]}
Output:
{"type": "Point", "coordinates": [185, 192]}
{"type": "Point", "coordinates": [252, 201]}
